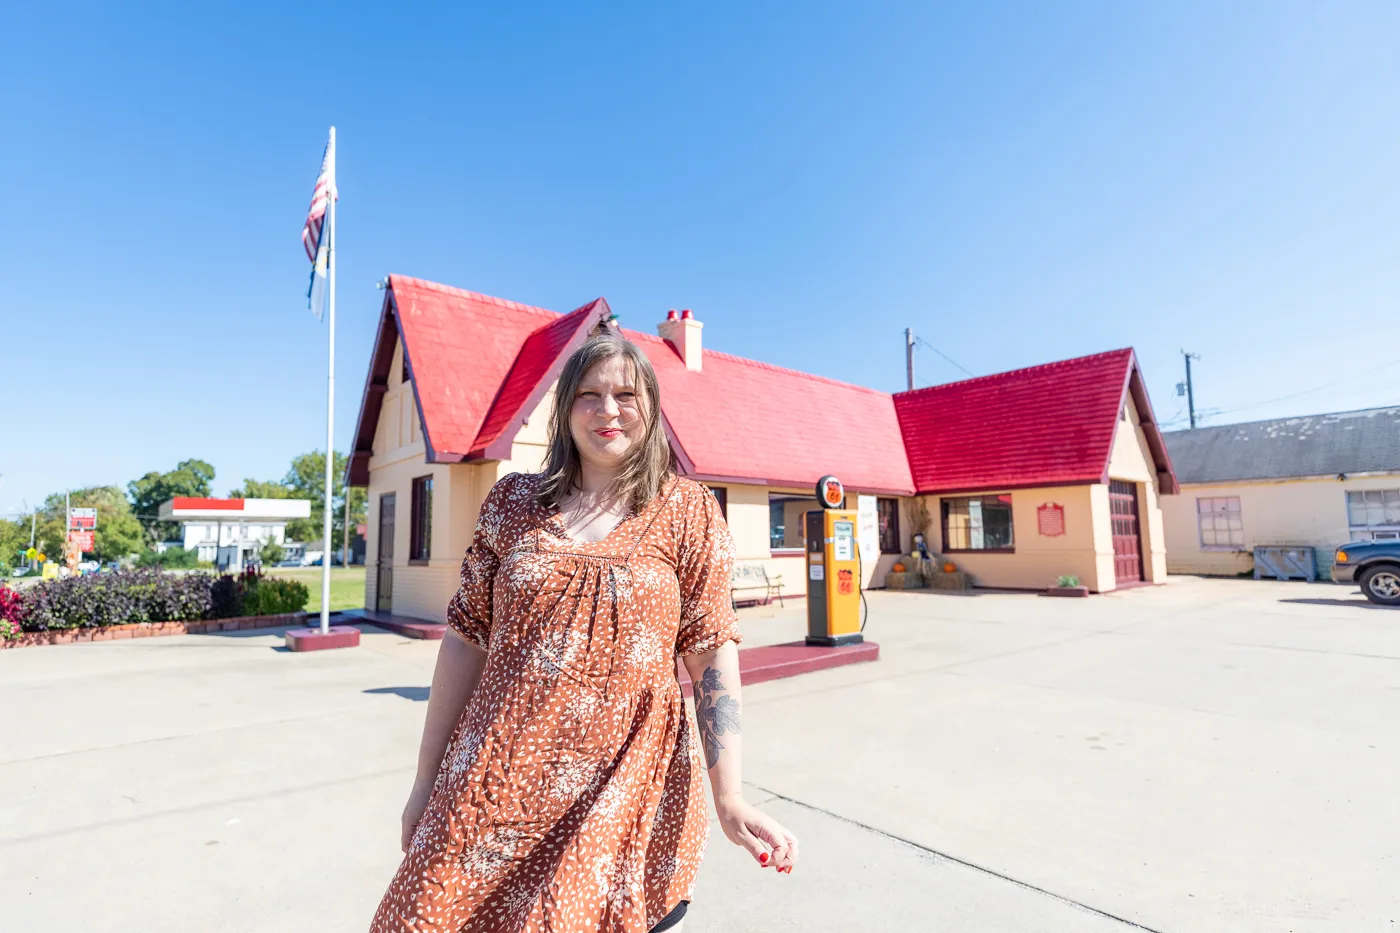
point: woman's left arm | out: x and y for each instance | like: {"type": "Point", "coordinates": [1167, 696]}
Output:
{"type": "Point", "coordinates": [718, 711]}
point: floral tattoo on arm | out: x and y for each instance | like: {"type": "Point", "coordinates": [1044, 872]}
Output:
{"type": "Point", "coordinates": [717, 713]}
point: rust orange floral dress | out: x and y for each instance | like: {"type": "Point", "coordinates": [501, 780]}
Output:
{"type": "Point", "coordinates": [570, 797]}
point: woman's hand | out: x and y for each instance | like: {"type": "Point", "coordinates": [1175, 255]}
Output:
{"type": "Point", "coordinates": [768, 842]}
{"type": "Point", "coordinates": [413, 812]}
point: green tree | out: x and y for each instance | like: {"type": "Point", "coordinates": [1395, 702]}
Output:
{"type": "Point", "coordinates": [272, 553]}
{"type": "Point", "coordinates": [119, 533]}
{"type": "Point", "coordinates": [189, 478]}
{"type": "Point", "coordinates": [14, 538]}
{"type": "Point", "coordinates": [262, 489]}
{"type": "Point", "coordinates": [306, 479]}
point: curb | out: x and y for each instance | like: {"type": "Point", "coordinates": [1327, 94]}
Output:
{"type": "Point", "coordinates": [69, 636]}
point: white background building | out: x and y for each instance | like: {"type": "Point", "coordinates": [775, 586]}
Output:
{"type": "Point", "coordinates": [230, 531]}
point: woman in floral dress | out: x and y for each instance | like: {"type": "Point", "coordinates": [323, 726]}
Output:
{"type": "Point", "coordinates": [559, 778]}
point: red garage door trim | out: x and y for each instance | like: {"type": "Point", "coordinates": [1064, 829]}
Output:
{"type": "Point", "coordinates": [1127, 532]}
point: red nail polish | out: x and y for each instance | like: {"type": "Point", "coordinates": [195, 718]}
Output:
{"type": "Point", "coordinates": [763, 858]}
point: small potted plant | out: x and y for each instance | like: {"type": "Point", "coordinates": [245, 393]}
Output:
{"type": "Point", "coordinates": [1068, 585]}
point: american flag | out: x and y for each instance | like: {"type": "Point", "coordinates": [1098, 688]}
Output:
{"type": "Point", "coordinates": [325, 182]}
{"type": "Point", "coordinates": [317, 246]}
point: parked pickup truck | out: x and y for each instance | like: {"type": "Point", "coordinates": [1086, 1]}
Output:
{"type": "Point", "coordinates": [1373, 564]}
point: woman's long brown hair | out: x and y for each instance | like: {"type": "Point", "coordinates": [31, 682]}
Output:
{"type": "Point", "coordinates": [648, 464]}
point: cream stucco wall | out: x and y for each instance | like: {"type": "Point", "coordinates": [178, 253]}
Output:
{"type": "Point", "coordinates": [1310, 512]}
{"type": "Point", "coordinates": [1037, 560]}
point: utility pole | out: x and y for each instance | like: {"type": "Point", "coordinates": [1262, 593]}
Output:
{"type": "Point", "coordinates": [1190, 395]}
{"type": "Point", "coordinates": [909, 355]}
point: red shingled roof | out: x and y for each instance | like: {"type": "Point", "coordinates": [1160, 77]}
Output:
{"type": "Point", "coordinates": [536, 368]}
{"type": "Point", "coordinates": [1049, 425]}
{"type": "Point", "coordinates": [739, 419]}
{"type": "Point", "coordinates": [480, 365]}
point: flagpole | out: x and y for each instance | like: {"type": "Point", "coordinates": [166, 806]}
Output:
{"type": "Point", "coordinates": [328, 510]}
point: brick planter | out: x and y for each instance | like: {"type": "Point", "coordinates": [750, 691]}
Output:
{"type": "Point", "coordinates": [1067, 591]}
{"type": "Point", "coordinates": [149, 629]}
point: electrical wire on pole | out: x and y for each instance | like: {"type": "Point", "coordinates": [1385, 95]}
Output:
{"type": "Point", "coordinates": [1185, 388]}
{"type": "Point", "coordinates": [945, 356]}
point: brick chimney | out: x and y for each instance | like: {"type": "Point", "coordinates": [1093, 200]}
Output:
{"type": "Point", "coordinates": [683, 334]}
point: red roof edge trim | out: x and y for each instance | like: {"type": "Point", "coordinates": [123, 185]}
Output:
{"type": "Point", "coordinates": [988, 490]}
{"type": "Point", "coordinates": [432, 454]}
{"type": "Point", "coordinates": [1166, 475]}
{"type": "Point", "coordinates": [372, 400]}
{"type": "Point", "coordinates": [499, 447]}
{"type": "Point", "coordinates": [684, 465]}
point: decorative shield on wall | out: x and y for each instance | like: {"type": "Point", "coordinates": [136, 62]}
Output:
{"type": "Point", "coordinates": [1050, 519]}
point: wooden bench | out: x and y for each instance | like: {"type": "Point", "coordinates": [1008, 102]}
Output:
{"type": "Point", "coordinates": [753, 580]}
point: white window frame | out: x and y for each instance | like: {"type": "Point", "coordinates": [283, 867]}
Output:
{"type": "Point", "coordinates": [1205, 507]}
{"type": "Point", "coordinates": [1384, 530]}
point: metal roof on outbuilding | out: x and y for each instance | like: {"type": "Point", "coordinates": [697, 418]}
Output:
{"type": "Point", "coordinates": [1365, 441]}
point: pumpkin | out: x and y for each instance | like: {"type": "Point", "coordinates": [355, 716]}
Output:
{"type": "Point", "coordinates": [950, 567]}
{"type": "Point", "coordinates": [899, 568]}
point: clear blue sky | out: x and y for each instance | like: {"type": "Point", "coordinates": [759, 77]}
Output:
{"type": "Point", "coordinates": [1018, 182]}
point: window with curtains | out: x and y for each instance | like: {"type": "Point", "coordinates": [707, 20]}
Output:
{"type": "Point", "coordinates": [888, 512]}
{"type": "Point", "coordinates": [978, 523]}
{"type": "Point", "coordinates": [421, 520]}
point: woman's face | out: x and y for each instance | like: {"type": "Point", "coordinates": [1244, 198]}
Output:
{"type": "Point", "coordinates": [607, 417]}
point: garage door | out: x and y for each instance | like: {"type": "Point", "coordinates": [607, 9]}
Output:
{"type": "Point", "coordinates": [1127, 541]}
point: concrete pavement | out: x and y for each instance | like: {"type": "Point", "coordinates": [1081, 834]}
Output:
{"type": "Point", "coordinates": [1209, 755]}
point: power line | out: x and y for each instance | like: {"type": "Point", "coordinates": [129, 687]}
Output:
{"type": "Point", "coordinates": [1281, 398]}
{"type": "Point", "coordinates": [920, 340]}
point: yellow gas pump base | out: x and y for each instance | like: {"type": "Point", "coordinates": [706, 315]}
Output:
{"type": "Point", "coordinates": [833, 578]}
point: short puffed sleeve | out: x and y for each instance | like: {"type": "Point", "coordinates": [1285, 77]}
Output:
{"type": "Point", "coordinates": [705, 561]}
{"type": "Point", "coordinates": [469, 611]}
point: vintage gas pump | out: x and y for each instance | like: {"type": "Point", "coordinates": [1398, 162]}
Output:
{"type": "Point", "coordinates": [833, 569]}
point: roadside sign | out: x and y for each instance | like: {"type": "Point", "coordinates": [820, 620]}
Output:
{"type": "Point", "coordinates": [50, 571]}
{"type": "Point", "coordinates": [83, 540]}
{"type": "Point", "coordinates": [82, 519]}
{"type": "Point", "coordinates": [32, 553]}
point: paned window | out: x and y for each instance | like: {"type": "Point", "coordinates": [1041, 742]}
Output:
{"type": "Point", "coordinates": [1220, 522]}
{"type": "Point", "coordinates": [1373, 514]}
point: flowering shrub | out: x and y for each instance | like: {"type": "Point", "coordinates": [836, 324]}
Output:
{"type": "Point", "coordinates": [11, 613]}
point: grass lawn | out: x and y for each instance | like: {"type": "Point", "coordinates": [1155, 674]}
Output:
{"type": "Point", "coordinates": [347, 585]}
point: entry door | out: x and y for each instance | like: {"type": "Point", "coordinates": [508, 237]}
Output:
{"type": "Point", "coordinates": [384, 563]}
{"type": "Point", "coordinates": [1127, 535]}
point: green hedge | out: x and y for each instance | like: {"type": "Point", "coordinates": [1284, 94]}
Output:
{"type": "Point", "coordinates": [272, 596]}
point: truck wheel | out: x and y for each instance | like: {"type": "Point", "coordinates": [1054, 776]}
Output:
{"type": "Point", "coordinates": [1382, 585]}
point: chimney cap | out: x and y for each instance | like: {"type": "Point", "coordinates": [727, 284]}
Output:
{"type": "Point", "coordinates": [686, 315]}
{"type": "Point", "coordinates": [671, 315]}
